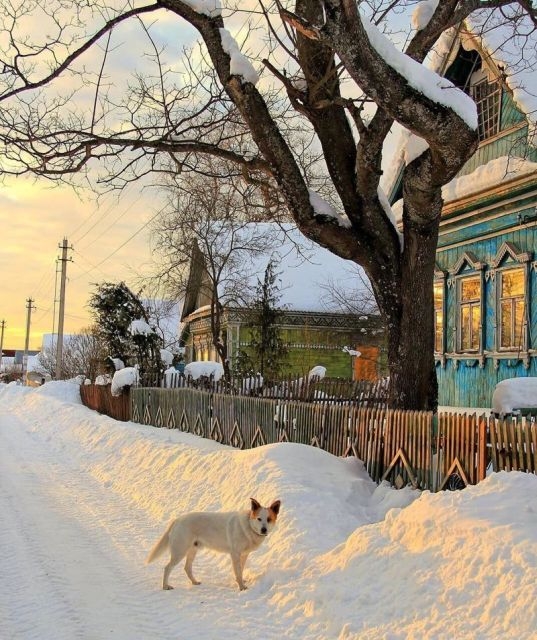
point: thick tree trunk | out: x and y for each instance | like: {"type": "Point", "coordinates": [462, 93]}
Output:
{"type": "Point", "coordinates": [413, 383]}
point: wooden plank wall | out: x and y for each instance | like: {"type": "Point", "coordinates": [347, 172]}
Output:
{"type": "Point", "coordinates": [99, 398]}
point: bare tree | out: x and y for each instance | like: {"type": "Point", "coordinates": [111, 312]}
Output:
{"type": "Point", "coordinates": [83, 354]}
{"type": "Point", "coordinates": [337, 65]}
{"type": "Point", "coordinates": [205, 238]}
{"type": "Point", "coordinates": [357, 299]}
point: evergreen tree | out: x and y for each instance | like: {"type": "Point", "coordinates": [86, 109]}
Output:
{"type": "Point", "coordinates": [115, 307]}
{"type": "Point", "coordinates": [266, 352]}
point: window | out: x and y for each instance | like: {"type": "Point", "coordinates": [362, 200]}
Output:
{"type": "Point", "coordinates": [487, 96]}
{"type": "Point", "coordinates": [512, 290]}
{"type": "Point", "coordinates": [469, 313]}
{"type": "Point", "coordinates": [438, 293]}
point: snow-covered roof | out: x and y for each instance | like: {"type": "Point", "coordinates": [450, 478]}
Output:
{"type": "Point", "coordinates": [512, 47]}
{"type": "Point", "coordinates": [305, 270]}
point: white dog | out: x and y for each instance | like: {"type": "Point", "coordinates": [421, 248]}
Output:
{"type": "Point", "coordinates": [237, 533]}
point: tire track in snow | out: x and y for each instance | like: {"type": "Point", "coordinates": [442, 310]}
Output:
{"type": "Point", "coordinates": [82, 565]}
{"type": "Point", "coordinates": [70, 582]}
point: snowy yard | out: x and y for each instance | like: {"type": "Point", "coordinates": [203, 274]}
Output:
{"type": "Point", "coordinates": [83, 498]}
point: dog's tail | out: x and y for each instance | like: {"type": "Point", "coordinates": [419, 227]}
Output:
{"type": "Point", "coordinates": [161, 546]}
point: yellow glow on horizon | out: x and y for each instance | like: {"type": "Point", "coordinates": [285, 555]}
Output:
{"type": "Point", "coordinates": [35, 217]}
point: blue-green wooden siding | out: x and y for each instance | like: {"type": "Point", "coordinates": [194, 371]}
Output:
{"type": "Point", "coordinates": [466, 383]}
{"type": "Point", "coordinates": [469, 384]}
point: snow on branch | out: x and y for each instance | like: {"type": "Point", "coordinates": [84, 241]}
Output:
{"type": "Point", "coordinates": [423, 13]}
{"type": "Point", "coordinates": [211, 8]}
{"type": "Point", "coordinates": [324, 209]}
{"type": "Point", "coordinates": [140, 328]}
{"type": "Point", "coordinates": [385, 204]}
{"type": "Point", "coordinates": [427, 82]}
{"type": "Point", "coordinates": [239, 64]}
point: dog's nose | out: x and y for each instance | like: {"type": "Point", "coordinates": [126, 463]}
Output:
{"type": "Point", "coordinates": [264, 530]}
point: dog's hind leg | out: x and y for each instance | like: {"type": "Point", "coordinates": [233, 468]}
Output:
{"type": "Point", "coordinates": [191, 554]}
{"type": "Point", "coordinates": [174, 561]}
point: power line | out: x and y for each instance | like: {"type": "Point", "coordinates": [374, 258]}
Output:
{"type": "Point", "coordinates": [129, 207]}
{"type": "Point", "coordinates": [118, 248]}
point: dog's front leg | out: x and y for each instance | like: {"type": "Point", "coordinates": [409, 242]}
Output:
{"type": "Point", "coordinates": [236, 559]}
{"type": "Point", "coordinates": [244, 557]}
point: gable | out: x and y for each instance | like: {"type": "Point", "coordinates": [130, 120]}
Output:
{"type": "Point", "coordinates": [507, 111]}
{"type": "Point", "coordinates": [306, 272]}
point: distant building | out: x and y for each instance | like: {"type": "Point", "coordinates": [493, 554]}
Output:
{"type": "Point", "coordinates": [314, 334]}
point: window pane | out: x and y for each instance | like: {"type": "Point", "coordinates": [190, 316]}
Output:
{"type": "Point", "coordinates": [519, 323]}
{"type": "Point", "coordinates": [506, 324]}
{"type": "Point", "coordinates": [513, 283]}
{"type": "Point", "coordinates": [487, 98]}
{"type": "Point", "coordinates": [470, 289]}
{"type": "Point", "coordinates": [465, 328]}
{"type": "Point", "coordinates": [438, 329]}
{"type": "Point", "coordinates": [470, 313]}
{"type": "Point", "coordinates": [438, 293]}
{"type": "Point", "coordinates": [476, 321]}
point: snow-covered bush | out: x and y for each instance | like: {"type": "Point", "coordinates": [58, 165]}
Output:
{"type": "Point", "coordinates": [317, 372]}
{"type": "Point", "coordinates": [124, 378]}
{"type": "Point", "coordinates": [206, 368]}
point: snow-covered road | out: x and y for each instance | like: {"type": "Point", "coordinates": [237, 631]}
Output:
{"type": "Point", "coordinates": [83, 498]}
{"type": "Point", "coordinates": [65, 546]}
{"type": "Point", "coordinates": [73, 559]}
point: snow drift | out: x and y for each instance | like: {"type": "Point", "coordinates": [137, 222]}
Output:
{"type": "Point", "coordinates": [347, 560]}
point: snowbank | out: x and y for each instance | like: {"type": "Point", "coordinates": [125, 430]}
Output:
{"type": "Point", "coordinates": [514, 393]}
{"type": "Point", "coordinates": [348, 559]}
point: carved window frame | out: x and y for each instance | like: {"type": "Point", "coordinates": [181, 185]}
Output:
{"type": "Point", "coordinates": [468, 266]}
{"type": "Point", "coordinates": [510, 257]}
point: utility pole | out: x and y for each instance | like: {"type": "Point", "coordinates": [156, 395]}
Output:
{"type": "Point", "coordinates": [59, 344]}
{"type": "Point", "coordinates": [2, 327]}
{"type": "Point", "coordinates": [29, 307]}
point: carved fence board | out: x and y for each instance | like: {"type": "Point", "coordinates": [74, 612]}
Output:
{"type": "Point", "coordinates": [447, 451]}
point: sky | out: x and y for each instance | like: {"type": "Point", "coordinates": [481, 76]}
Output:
{"type": "Point", "coordinates": [110, 238]}
{"type": "Point", "coordinates": [84, 498]}
{"type": "Point", "coordinates": [34, 218]}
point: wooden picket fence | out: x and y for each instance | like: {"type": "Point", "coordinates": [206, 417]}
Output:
{"type": "Point", "coordinates": [99, 398]}
{"type": "Point", "coordinates": [425, 451]}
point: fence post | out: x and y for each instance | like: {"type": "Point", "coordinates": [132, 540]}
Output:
{"type": "Point", "coordinates": [482, 449]}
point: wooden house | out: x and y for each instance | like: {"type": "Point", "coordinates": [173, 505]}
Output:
{"type": "Point", "coordinates": [485, 288]}
{"type": "Point", "coordinates": [314, 332]}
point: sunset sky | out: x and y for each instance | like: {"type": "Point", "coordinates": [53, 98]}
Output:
{"type": "Point", "coordinates": [110, 237]}
{"type": "Point", "coordinates": [34, 218]}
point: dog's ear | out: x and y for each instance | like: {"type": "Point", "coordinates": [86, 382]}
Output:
{"type": "Point", "coordinates": [275, 506]}
{"type": "Point", "coordinates": [255, 506]}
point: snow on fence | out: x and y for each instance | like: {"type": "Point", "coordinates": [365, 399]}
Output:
{"type": "Point", "coordinates": [446, 451]}
{"type": "Point", "coordinates": [304, 388]}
